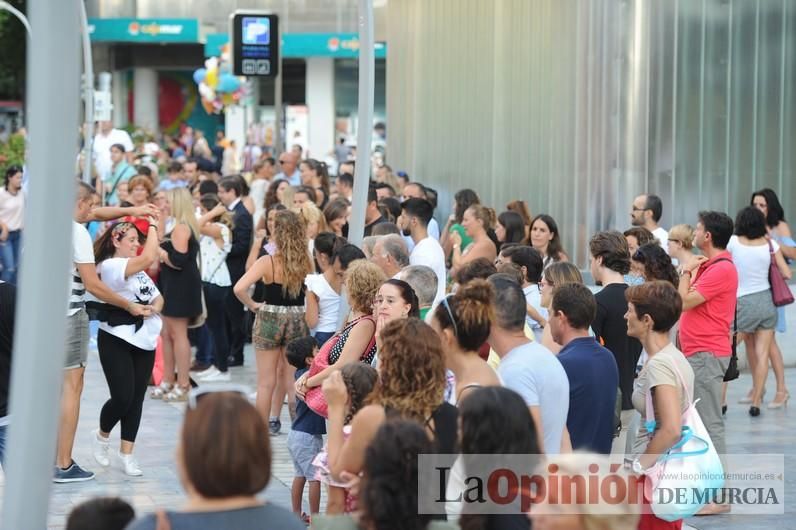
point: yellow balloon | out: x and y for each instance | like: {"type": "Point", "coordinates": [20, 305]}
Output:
{"type": "Point", "coordinates": [227, 99]}
{"type": "Point", "coordinates": [211, 79]}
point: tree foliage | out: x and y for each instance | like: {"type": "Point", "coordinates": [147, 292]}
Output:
{"type": "Point", "coordinates": [13, 43]}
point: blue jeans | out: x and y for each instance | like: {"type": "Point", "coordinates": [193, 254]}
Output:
{"type": "Point", "coordinates": [203, 340]}
{"type": "Point", "coordinates": [9, 255]}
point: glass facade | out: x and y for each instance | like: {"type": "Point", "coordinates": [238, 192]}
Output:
{"type": "Point", "coordinates": [577, 106]}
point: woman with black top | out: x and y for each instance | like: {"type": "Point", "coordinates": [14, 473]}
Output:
{"type": "Point", "coordinates": [280, 318]}
{"type": "Point", "coordinates": [181, 285]}
{"type": "Point", "coordinates": [126, 343]}
{"type": "Point", "coordinates": [412, 386]}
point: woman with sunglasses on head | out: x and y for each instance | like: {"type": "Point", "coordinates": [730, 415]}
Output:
{"type": "Point", "coordinates": [126, 343]}
{"type": "Point", "coordinates": [766, 201]}
{"type": "Point", "coordinates": [462, 322]}
{"type": "Point", "coordinates": [224, 463]}
{"type": "Point", "coordinates": [12, 211]}
{"type": "Point", "coordinates": [553, 276]}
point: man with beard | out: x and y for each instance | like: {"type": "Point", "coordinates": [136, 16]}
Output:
{"type": "Point", "coordinates": [413, 222]}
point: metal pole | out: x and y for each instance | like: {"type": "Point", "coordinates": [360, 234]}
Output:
{"type": "Point", "coordinates": [88, 97]}
{"type": "Point", "coordinates": [278, 113]}
{"type": "Point", "coordinates": [356, 224]}
{"type": "Point", "coordinates": [44, 288]}
{"type": "Point", "coordinates": [17, 13]}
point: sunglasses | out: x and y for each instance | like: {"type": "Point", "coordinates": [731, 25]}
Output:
{"type": "Point", "coordinates": [450, 314]}
{"type": "Point", "coordinates": [197, 394]}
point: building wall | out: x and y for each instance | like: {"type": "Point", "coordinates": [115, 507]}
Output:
{"type": "Point", "coordinates": [577, 106]}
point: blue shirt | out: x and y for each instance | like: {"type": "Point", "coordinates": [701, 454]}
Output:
{"type": "Point", "coordinates": [306, 419]}
{"type": "Point", "coordinates": [593, 380]}
{"type": "Point", "coordinates": [534, 373]}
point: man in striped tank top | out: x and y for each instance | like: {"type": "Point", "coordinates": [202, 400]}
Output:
{"type": "Point", "coordinates": [84, 278]}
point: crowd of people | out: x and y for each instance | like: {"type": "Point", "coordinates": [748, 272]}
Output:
{"type": "Point", "coordinates": [471, 335]}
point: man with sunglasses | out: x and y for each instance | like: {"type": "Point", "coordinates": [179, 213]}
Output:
{"type": "Point", "coordinates": [647, 211]}
{"type": "Point", "coordinates": [288, 162]}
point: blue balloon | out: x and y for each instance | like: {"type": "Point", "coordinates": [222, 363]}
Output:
{"type": "Point", "coordinates": [199, 75]}
{"type": "Point", "coordinates": [227, 83]}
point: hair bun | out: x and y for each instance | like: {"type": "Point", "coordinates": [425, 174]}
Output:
{"type": "Point", "coordinates": [476, 290]}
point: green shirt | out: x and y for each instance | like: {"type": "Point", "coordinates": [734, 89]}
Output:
{"type": "Point", "coordinates": [466, 240]}
{"type": "Point", "coordinates": [423, 312]}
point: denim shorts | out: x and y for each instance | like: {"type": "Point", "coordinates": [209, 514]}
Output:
{"type": "Point", "coordinates": [303, 448]}
{"type": "Point", "coordinates": [76, 340]}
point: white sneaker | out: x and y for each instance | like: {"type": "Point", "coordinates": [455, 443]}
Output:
{"type": "Point", "coordinates": [218, 377]}
{"type": "Point", "coordinates": [100, 446]}
{"type": "Point", "coordinates": [130, 465]}
{"type": "Point", "coordinates": [207, 373]}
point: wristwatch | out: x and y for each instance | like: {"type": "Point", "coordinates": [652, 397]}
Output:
{"type": "Point", "coordinates": [637, 468]}
{"type": "Point", "coordinates": [685, 272]}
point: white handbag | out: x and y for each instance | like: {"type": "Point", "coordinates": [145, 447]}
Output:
{"type": "Point", "coordinates": [690, 473]}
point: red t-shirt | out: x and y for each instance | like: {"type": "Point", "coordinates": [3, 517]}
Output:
{"type": "Point", "coordinates": [707, 326]}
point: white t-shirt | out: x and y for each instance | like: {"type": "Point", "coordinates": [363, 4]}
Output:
{"type": "Point", "coordinates": [82, 252]}
{"type": "Point", "coordinates": [663, 238]}
{"type": "Point", "coordinates": [137, 288]}
{"type": "Point", "coordinates": [102, 149]}
{"type": "Point", "coordinates": [534, 298]}
{"type": "Point", "coordinates": [328, 303]}
{"type": "Point", "coordinates": [257, 191]}
{"type": "Point", "coordinates": [428, 252]}
{"type": "Point", "coordinates": [752, 264]}
{"type": "Point", "coordinates": [12, 209]}
{"type": "Point", "coordinates": [214, 258]}
{"type": "Point", "coordinates": [433, 231]}
{"type": "Point", "coordinates": [537, 375]}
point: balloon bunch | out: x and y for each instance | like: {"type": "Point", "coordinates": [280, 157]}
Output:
{"type": "Point", "coordinates": [218, 88]}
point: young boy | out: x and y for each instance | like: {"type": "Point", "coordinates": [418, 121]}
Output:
{"type": "Point", "coordinates": [305, 439]}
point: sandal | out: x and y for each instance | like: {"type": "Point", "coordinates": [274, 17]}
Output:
{"type": "Point", "coordinates": [177, 394]}
{"type": "Point", "coordinates": [161, 390]}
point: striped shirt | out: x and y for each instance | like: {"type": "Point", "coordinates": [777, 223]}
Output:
{"type": "Point", "coordinates": [82, 252]}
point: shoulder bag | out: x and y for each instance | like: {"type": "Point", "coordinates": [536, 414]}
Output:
{"type": "Point", "coordinates": [691, 465]}
{"type": "Point", "coordinates": [780, 292]}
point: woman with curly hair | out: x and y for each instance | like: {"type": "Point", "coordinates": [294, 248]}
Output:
{"type": "Point", "coordinates": [280, 318]}
{"type": "Point", "coordinates": [654, 263]}
{"type": "Point", "coordinates": [276, 193]}
{"type": "Point", "coordinates": [387, 502]}
{"type": "Point", "coordinates": [412, 385]}
{"type": "Point", "coordinates": [357, 340]}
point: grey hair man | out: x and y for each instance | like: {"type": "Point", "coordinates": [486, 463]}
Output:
{"type": "Point", "coordinates": [424, 282]}
{"type": "Point", "coordinates": [391, 254]}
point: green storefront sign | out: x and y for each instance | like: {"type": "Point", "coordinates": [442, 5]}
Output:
{"type": "Point", "coordinates": [306, 45]}
{"type": "Point", "coordinates": [143, 30]}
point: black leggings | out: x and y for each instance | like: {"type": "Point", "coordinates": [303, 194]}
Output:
{"type": "Point", "coordinates": [127, 370]}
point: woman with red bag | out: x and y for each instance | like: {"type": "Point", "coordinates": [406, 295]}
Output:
{"type": "Point", "coordinates": [355, 343]}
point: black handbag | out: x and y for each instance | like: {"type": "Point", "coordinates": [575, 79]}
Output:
{"type": "Point", "coordinates": [732, 372]}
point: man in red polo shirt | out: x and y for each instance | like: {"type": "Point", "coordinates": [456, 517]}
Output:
{"type": "Point", "coordinates": [708, 285]}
